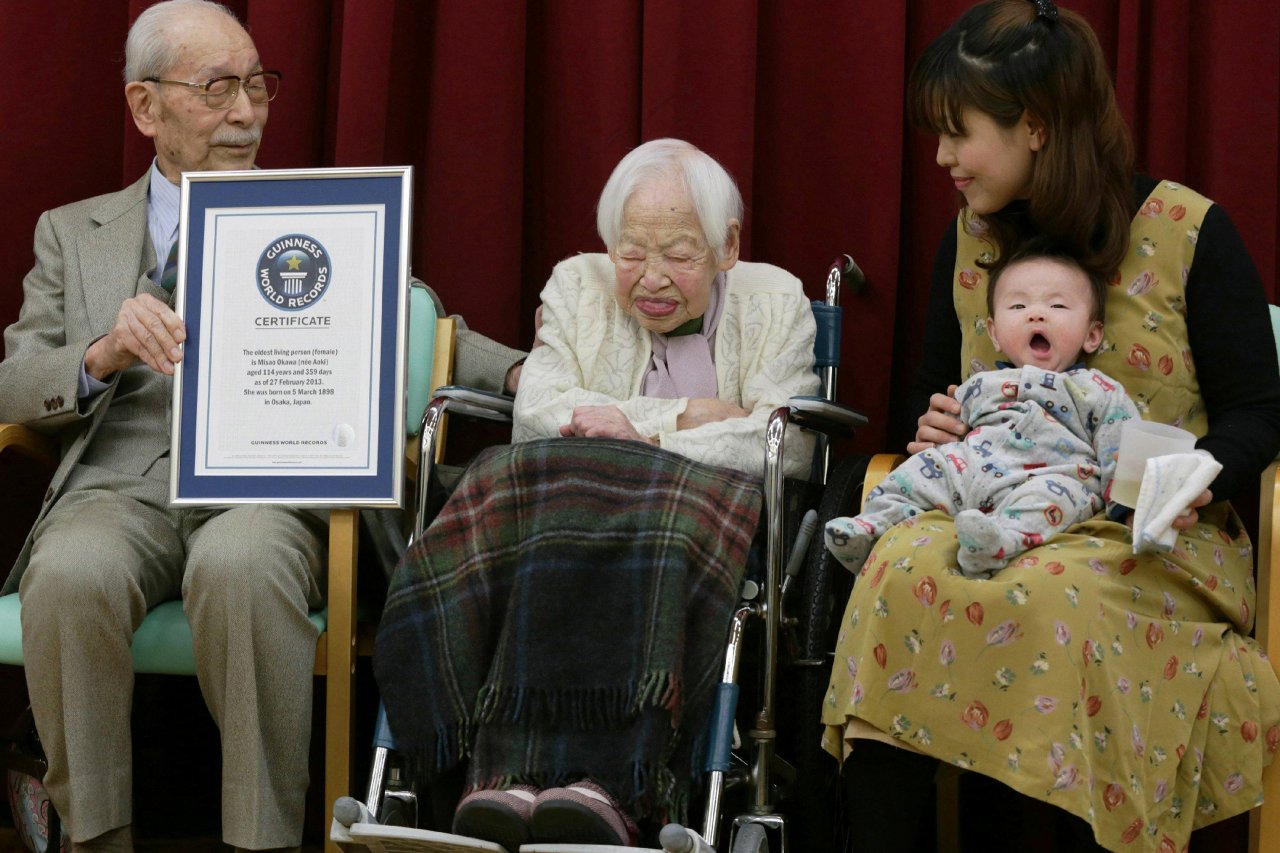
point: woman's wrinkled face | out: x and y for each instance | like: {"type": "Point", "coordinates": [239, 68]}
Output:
{"type": "Point", "coordinates": [663, 267]}
{"type": "Point", "coordinates": [989, 164]}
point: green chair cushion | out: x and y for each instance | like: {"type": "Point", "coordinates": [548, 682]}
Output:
{"type": "Point", "coordinates": [1275, 326]}
{"type": "Point", "coordinates": [422, 350]}
{"type": "Point", "coordinates": [10, 630]}
{"type": "Point", "coordinates": [162, 643]}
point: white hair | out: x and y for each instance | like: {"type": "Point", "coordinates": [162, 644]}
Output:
{"type": "Point", "coordinates": [715, 196]}
{"type": "Point", "coordinates": [149, 50]}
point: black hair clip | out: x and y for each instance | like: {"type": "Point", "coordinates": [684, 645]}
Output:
{"type": "Point", "coordinates": [1045, 9]}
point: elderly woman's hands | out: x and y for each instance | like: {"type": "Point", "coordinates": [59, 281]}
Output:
{"type": "Point", "coordinates": [708, 410]}
{"type": "Point", "coordinates": [610, 422]}
{"type": "Point", "coordinates": [941, 424]}
{"type": "Point", "coordinates": [601, 422]}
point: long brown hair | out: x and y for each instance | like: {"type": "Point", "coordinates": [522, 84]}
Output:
{"type": "Point", "coordinates": [1010, 57]}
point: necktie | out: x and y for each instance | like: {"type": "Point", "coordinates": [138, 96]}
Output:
{"type": "Point", "coordinates": [169, 275]}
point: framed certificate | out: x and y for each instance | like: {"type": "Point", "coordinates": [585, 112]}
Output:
{"type": "Point", "coordinates": [293, 285]}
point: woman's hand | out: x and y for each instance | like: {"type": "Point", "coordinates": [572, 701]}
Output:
{"type": "Point", "coordinates": [708, 410]}
{"type": "Point", "coordinates": [601, 422]}
{"type": "Point", "coordinates": [610, 422]}
{"type": "Point", "coordinates": [1189, 516]}
{"type": "Point", "coordinates": [941, 424]}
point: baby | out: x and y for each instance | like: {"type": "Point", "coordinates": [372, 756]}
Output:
{"type": "Point", "coordinates": [1041, 451]}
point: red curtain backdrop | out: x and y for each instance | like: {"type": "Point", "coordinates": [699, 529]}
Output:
{"type": "Point", "coordinates": [513, 114]}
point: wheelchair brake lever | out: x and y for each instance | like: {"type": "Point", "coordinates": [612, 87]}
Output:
{"type": "Point", "coordinates": [795, 563]}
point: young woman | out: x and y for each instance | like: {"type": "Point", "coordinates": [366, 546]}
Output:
{"type": "Point", "coordinates": [1123, 689]}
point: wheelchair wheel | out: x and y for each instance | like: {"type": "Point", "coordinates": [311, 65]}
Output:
{"type": "Point", "coordinates": [826, 591]}
{"type": "Point", "coordinates": [751, 839]}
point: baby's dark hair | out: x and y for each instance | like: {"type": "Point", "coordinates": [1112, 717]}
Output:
{"type": "Point", "coordinates": [1040, 248]}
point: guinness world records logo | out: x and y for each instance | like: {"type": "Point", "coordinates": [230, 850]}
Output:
{"type": "Point", "coordinates": [293, 272]}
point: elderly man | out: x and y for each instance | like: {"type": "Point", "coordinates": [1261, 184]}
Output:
{"type": "Point", "coordinates": [90, 360]}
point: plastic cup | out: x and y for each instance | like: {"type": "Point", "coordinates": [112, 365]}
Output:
{"type": "Point", "coordinates": [1140, 441]}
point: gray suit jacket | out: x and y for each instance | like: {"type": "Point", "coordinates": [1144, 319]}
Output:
{"type": "Point", "coordinates": [90, 257]}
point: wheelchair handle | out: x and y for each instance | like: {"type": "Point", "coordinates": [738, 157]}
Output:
{"type": "Point", "coordinates": [844, 270]}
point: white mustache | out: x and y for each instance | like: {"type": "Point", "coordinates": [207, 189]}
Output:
{"type": "Point", "coordinates": [244, 137]}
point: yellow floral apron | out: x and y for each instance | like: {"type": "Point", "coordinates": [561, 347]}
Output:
{"type": "Point", "coordinates": [1121, 688]}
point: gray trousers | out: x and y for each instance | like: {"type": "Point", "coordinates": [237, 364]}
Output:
{"type": "Point", "coordinates": [247, 577]}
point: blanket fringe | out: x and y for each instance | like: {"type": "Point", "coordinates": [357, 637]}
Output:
{"type": "Point", "coordinates": [577, 707]}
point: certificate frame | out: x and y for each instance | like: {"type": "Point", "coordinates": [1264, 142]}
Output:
{"type": "Point", "coordinates": [291, 389]}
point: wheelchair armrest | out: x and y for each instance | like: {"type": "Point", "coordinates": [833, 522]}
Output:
{"type": "Point", "coordinates": [29, 443]}
{"type": "Point", "coordinates": [824, 416]}
{"type": "Point", "coordinates": [474, 403]}
{"type": "Point", "coordinates": [877, 469]}
{"type": "Point", "coordinates": [458, 400]}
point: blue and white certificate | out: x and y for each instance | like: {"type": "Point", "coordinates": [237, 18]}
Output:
{"type": "Point", "coordinates": [295, 315]}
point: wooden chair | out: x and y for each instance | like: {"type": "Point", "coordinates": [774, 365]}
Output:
{"type": "Point", "coordinates": [1264, 821]}
{"type": "Point", "coordinates": [162, 643]}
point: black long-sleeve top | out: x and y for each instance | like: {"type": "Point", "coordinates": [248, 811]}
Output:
{"type": "Point", "coordinates": [1229, 331]}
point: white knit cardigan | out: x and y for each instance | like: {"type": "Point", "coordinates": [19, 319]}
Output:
{"type": "Point", "coordinates": [595, 353]}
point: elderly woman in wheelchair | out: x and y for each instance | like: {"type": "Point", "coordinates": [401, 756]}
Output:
{"type": "Point", "coordinates": [560, 625]}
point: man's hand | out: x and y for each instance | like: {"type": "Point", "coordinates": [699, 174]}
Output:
{"type": "Point", "coordinates": [146, 330]}
{"type": "Point", "coordinates": [601, 422]}
{"type": "Point", "coordinates": [941, 424]}
{"type": "Point", "coordinates": [511, 383]}
{"type": "Point", "coordinates": [708, 410]}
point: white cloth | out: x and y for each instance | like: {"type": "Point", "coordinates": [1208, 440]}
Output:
{"type": "Point", "coordinates": [1169, 485]}
{"type": "Point", "coordinates": [594, 353]}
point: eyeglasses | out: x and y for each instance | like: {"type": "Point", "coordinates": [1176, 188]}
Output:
{"type": "Point", "coordinates": [220, 92]}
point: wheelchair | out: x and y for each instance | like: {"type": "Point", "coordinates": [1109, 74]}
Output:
{"type": "Point", "coordinates": [779, 804]}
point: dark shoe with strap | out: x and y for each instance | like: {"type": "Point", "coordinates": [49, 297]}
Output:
{"type": "Point", "coordinates": [581, 813]}
{"type": "Point", "coordinates": [498, 816]}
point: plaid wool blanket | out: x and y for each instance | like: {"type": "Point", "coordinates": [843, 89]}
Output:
{"type": "Point", "coordinates": [565, 616]}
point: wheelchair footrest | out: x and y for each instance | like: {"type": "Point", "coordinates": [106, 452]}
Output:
{"type": "Point", "coordinates": [377, 838]}
{"type": "Point", "coordinates": [584, 848]}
